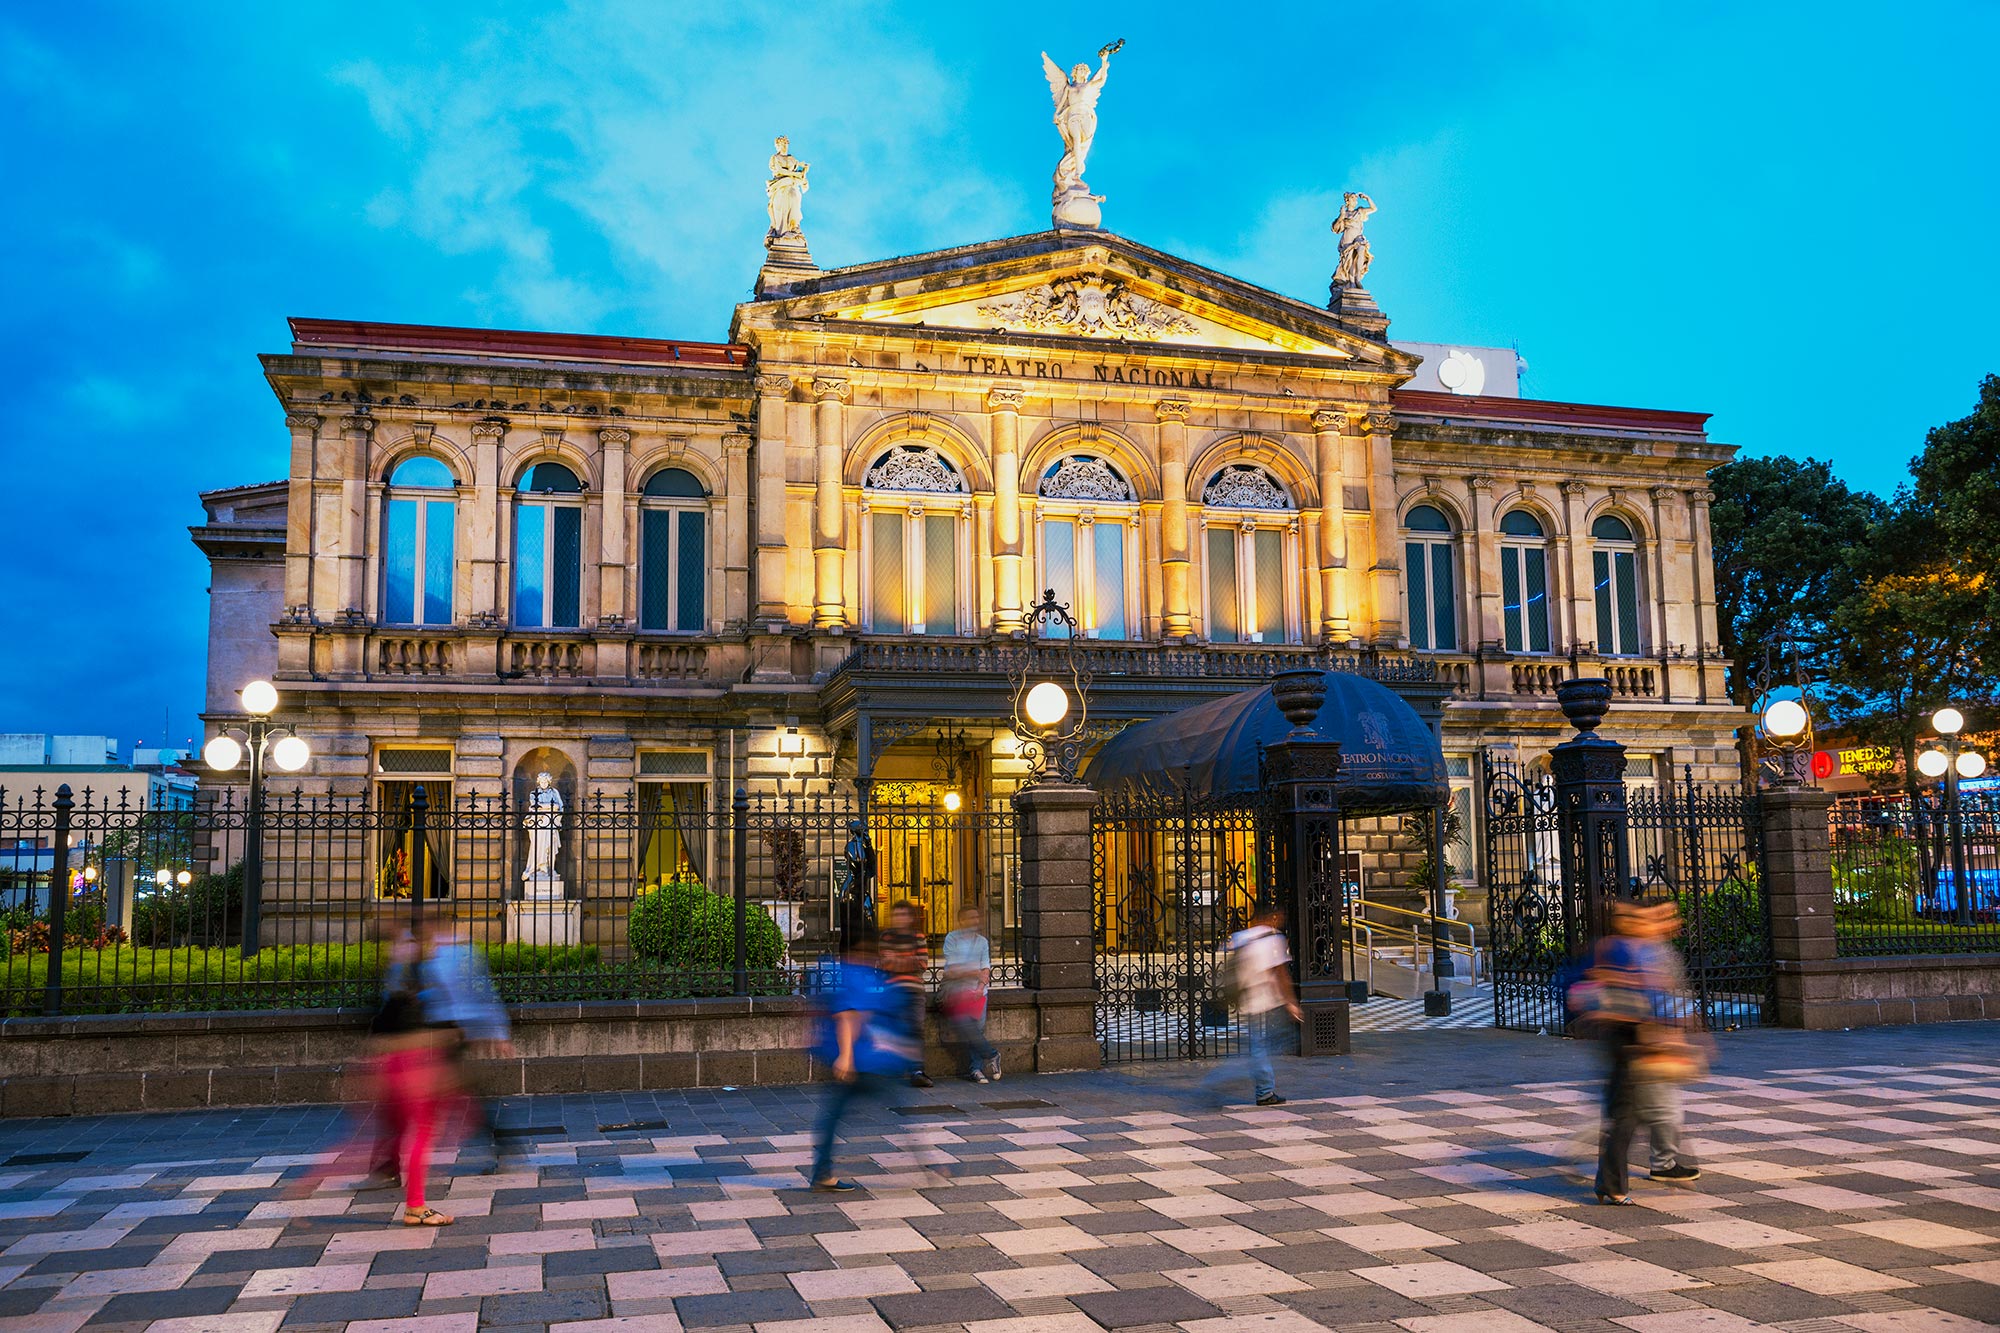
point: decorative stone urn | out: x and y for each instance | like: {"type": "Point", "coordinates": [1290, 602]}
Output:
{"type": "Point", "coordinates": [1584, 702]}
{"type": "Point", "coordinates": [1299, 695]}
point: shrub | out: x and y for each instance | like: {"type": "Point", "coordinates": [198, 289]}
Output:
{"type": "Point", "coordinates": [207, 912]}
{"type": "Point", "coordinates": [680, 924]}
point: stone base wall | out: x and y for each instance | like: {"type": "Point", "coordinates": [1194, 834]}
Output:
{"type": "Point", "coordinates": [132, 1062]}
{"type": "Point", "coordinates": [1873, 992]}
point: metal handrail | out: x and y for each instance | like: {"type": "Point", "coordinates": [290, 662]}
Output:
{"type": "Point", "coordinates": [1417, 940]}
{"type": "Point", "coordinates": [1471, 937]}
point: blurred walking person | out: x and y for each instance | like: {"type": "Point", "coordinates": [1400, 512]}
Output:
{"type": "Point", "coordinates": [1629, 997]}
{"type": "Point", "coordinates": [905, 953]}
{"type": "Point", "coordinates": [866, 1040]}
{"type": "Point", "coordinates": [968, 977]}
{"type": "Point", "coordinates": [1262, 980]}
{"type": "Point", "coordinates": [458, 996]}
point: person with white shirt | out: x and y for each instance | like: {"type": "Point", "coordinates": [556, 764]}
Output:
{"type": "Point", "coordinates": [1264, 990]}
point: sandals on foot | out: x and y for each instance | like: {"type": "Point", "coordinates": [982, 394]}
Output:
{"type": "Point", "coordinates": [1621, 1200]}
{"type": "Point", "coordinates": [427, 1217]}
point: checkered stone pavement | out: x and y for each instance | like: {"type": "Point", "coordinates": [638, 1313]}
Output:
{"type": "Point", "coordinates": [1423, 1185]}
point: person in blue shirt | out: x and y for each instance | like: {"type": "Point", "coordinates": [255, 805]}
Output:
{"type": "Point", "coordinates": [866, 1039]}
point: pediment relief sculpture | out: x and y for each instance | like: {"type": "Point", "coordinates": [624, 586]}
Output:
{"type": "Point", "coordinates": [1243, 487]}
{"type": "Point", "coordinates": [1092, 307]}
{"type": "Point", "coordinates": [914, 468]}
{"type": "Point", "coordinates": [1080, 477]}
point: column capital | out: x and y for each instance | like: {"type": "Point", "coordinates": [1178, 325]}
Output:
{"type": "Point", "coordinates": [774, 386]}
{"type": "Point", "coordinates": [738, 442]}
{"type": "Point", "coordinates": [1479, 483]}
{"type": "Point", "coordinates": [614, 435]}
{"type": "Point", "coordinates": [1173, 410]}
{"type": "Point", "coordinates": [1701, 496]}
{"type": "Point", "coordinates": [488, 430]}
{"type": "Point", "coordinates": [358, 424]}
{"type": "Point", "coordinates": [827, 389]}
{"type": "Point", "coordinates": [1379, 423]}
{"type": "Point", "coordinates": [1004, 400]}
{"type": "Point", "coordinates": [1663, 494]}
{"type": "Point", "coordinates": [1573, 489]}
{"type": "Point", "coordinates": [1328, 420]}
{"type": "Point", "coordinates": [306, 421]}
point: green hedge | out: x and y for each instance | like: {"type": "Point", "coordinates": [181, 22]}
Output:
{"type": "Point", "coordinates": [682, 925]}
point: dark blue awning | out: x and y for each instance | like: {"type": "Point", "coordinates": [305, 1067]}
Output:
{"type": "Point", "coordinates": [1390, 760]}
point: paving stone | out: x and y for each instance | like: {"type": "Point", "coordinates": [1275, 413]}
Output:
{"type": "Point", "coordinates": [1151, 1305]}
{"type": "Point", "coordinates": [340, 1307]}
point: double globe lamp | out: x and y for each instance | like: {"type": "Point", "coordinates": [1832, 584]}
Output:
{"type": "Point", "coordinates": [1941, 761]}
{"type": "Point", "coordinates": [288, 751]}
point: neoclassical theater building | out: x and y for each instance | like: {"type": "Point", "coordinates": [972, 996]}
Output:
{"type": "Point", "coordinates": [788, 560]}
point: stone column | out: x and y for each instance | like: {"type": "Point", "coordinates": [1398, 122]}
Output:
{"type": "Point", "coordinates": [1582, 582]}
{"type": "Point", "coordinates": [353, 548]}
{"type": "Point", "coordinates": [1003, 408]}
{"type": "Point", "coordinates": [1176, 614]}
{"type": "Point", "coordinates": [487, 592]}
{"type": "Point", "coordinates": [1796, 871]}
{"type": "Point", "coordinates": [614, 603]}
{"type": "Point", "coordinates": [299, 515]}
{"type": "Point", "coordinates": [1703, 558]}
{"type": "Point", "coordinates": [1385, 578]}
{"type": "Point", "coordinates": [1335, 625]}
{"type": "Point", "coordinates": [773, 393]}
{"type": "Point", "coordinates": [1056, 938]}
{"type": "Point", "coordinates": [1482, 568]}
{"type": "Point", "coordinates": [736, 513]}
{"type": "Point", "coordinates": [829, 510]}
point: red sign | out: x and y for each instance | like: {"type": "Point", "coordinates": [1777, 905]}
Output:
{"type": "Point", "coordinates": [1823, 765]}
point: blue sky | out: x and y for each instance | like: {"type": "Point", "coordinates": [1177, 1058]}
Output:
{"type": "Point", "coordinates": [1781, 214]}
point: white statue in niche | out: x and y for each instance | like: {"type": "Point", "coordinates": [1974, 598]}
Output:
{"type": "Point", "coordinates": [544, 825]}
{"type": "Point", "coordinates": [785, 193]}
{"type": "Point", "coordinates": [1355, 254]}
{"type": "Point", "coordinates": [1075, 97]}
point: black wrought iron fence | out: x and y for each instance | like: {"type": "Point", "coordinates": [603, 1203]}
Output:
{"type": "Point", "coordinates": [1698, 845]}
{"type": "Point", "coordinates": [1896, 883]}
{"type": "Point", "coordinates": [107, 905]}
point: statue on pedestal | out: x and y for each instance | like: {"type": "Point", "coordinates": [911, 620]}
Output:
{"type": "Point", "coordinates": [1355, 254]}
{"type": "Point", "coordinates": [544, 825]}
{"type": "Point", "coordinates": [1075, 97]}
{"type": "Point", "coordinates": [785, 194]}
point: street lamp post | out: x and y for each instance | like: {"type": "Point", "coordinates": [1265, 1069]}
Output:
{"type": "Point", "coordinates": [289, 751]}
{"type": "Point", "coordinates": [1952, 760]}
{"type": "Point", "coordinates": [1049, 721]}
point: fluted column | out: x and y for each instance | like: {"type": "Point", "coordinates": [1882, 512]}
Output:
{"type": "Point", "coordinates": [772, 393]}
{"type": "Point", "coordinates": [299, 515]}
{"type": "Point", "coordinates": [829, 511]}
{"type": "Point", "coordinates": [1335, 625]}
{"type": "Point", "coordinates": [352, 524]}
{"type": "Point", "coordinates": [1582, 583]}
{"type": "Point", "coordinates": [1003, 407]}
{"type": "Point", "coordinates": [1176, 613]}
{"type": "Point", "coordinates": [1385, 579]}
{"type": "Point", "coordinates": [613, 598]}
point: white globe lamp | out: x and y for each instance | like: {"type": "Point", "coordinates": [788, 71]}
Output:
{"type": "Point", "coordinates": [1785, 719]}
{"type": "Point", "coordinates": [260, 697]}
{"type": "Point", "coordinates": [1947, 721]}
{"type": "Point", "coordinates": [222, 753]}
{"type": "Point", "coordinates": [1971, 764]}
{"type": "Point", "coordinates": [291, 753]}
{"type": "Point", "coordinates": [1933, 763]}
{"type": "Point", "coordinates": [1046, 704]}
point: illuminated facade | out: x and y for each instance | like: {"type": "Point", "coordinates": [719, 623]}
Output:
{"type": "Point", "coordinates": [787, 559]}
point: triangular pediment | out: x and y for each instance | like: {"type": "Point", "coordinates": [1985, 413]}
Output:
{"type": "Point", "coordinates": [1068, 286]}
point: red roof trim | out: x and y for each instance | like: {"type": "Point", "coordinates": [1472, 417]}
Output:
{"type": "Point", "coordinates": [310, 334]}
{"type": "Point", "coordinates": [1566, 414]}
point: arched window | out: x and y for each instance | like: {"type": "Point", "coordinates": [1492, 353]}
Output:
{"type": "Point", "coordinates": [1428, 566]}
{"type": "Point", "coordinates": [915, 541]}
{"type": "Point", "coordinates": [548, 549]}
{"type": "Point", "coordinates": [673, 552]}
{"type": "Point", "coordinates": [1524, 582]}
{"type": "Point", "coordinates": [1615, 570]}
{"type": "Point", "coordinates": [418, 521]}
{"type": "Point", "coordinates": [1250, 520]}
{"type": "Point", "coordinates": [1087, 510]}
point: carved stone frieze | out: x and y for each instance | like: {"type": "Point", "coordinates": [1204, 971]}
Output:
{"type": "Point", "coordinates": [1079, 477]}
{"type": "Point", "coordinates": [914, 468]}
{"type": "Point", "coordinates": [1094, 307]}
{"type": "Point", "coordinates": [1240, 486]}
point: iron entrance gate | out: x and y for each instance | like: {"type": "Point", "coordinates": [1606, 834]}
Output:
{"type": "Point", "coordinates": [1174, 878]}
{"type": "Point", "coordinates": [1693, 845]}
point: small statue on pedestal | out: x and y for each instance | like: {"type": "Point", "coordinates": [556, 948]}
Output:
{"type": "Point", "coordinates": [544, 826]}
{"type": "Point", "coordinates": [1355, 254]}
{"type": "Point", "coordinates": [1075, 97]}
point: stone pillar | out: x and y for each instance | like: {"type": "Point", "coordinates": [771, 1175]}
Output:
{"type": "Point", "coordinates": [1703, 553]}
{"type": "Point", "coordinates": [1589, 772]}
{"type": "Point", "coordinates": [736, 515]}
{"type": "Point", "coordinates": [1335, 625]}
{"type": "Point", "coordinates": [1482, 569]}
{"type": "Point", "coordinates": [352, 547]}
{"type": "Point", "coordinates": [1582, 582]}
{"type": "Point", "coordinates": [1003, 407]}
{"type": "Point", "coordinates": [1796, 870]}
{"type": "Point", "coordinates": [1385, 577]}
{"type": "Point", "coordinates": [1176, 613]}
{"type": "Point", "coordinates": [1302, 771]}
{"type": "Point", "coordinates": [613, 598]}
{"type": "Point", "coordinates": [1056, 938]}
{"type": "Point", "coordinates": [486, 592]}
{"type": "Point", "coordinates": [829, 509]}
{"type": "Point", "coordinates": [299, 515]}
{"type": "Point", "coordinates": [773, 393]}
